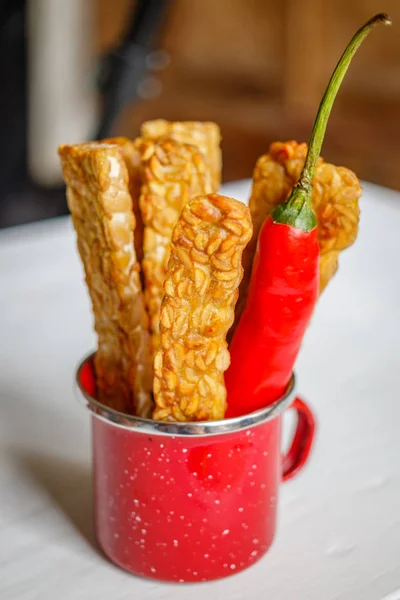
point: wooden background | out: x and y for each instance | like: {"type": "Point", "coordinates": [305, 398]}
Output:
{"type": "Point", "coordinates": [259, 68]}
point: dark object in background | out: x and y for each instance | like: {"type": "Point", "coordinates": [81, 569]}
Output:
{"type": "Point", "coordinates": [13, 94]}
{"type": "Point", "coordinates": [20, 200]}
{"type": "Point", "coordinates": [121, 72]}
{"type": "Point", "coordinates": [123, 68]}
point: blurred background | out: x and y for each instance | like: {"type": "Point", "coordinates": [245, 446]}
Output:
{"type": "Point", "coordinates": [83, 69]}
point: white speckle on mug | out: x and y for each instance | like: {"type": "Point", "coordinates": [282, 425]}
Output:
{"type": "Point", "coordinates": [245, 526]}
{"type": "Point", "coordinates": [204, 520]}
{"type": "Point", "coordinates": [195, 573]}
{"type": "Point", "coordinates": [184, 450]}
{"type": "Point", "coordinates": [181, 581]}
{"type": "Point", "coordinates": [225, 565]}
{"type": "Point", "coordinates": [175, 543]}
{"type": "Point", "coordinates": [194, 474]}
{"type": "Point", "coordinates": [233, 567]}
{"type": "Point", "coordinates": [217, 501]}
{"type": "Point", "coordinates": [136, 502]}
{"type": "Point", "coordinates": [210, 477]}
{"type": "Point", "coordinates": [116, 536]}
{"type": "Point", "coordinates": [256, 541]}
{"type": "Point", "coordinates": [263, 486]}
{"type": "Point", "coordinates": [240, 509]}
{"type": "Point", "coordinates": [206, 556]}
{"type": "Point", "coordinates": [252, 483]}
{"type": "Point", "coordinates": [181, 517]}
{"type": "Point", "coordinates": [190, 494]}
{"type": "Point", "coordinates": [225, 532]}
{"type": "Point", "coordinates": [265, 453]}
{"type": "Point", "coordinates": [209, 455]}
{"type": "Point", "coordinates": [144, 531]}
{"type": "Point", "coordinates": [152, 569]}
{"type": "Point", "coordinates": [171, 512]}
{"type": "Point", "coordinates": [254, 553]}
{"type": "Point", "coordinates": [138, 519]}
{"type": "Point", "coordinates": [254, 467]}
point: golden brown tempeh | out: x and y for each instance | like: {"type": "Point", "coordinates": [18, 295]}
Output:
{"type": "Point", "coordinates": [206, 136]}
{"type": "Point", "coordinates": [328, 265]}
{"type": "Point", "coordinates": [132, 161]}
{"type": "Point", "coordinates": [101, 209]}
{"type": "Point", "coordinates": [197, 311]}
{"type": "Point", "coordinates": [335, 197]}
{"type": "Point", "coordinates": [172, 173]}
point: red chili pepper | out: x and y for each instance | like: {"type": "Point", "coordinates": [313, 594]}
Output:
{"type": "Point", "coordinates": [284, 282]}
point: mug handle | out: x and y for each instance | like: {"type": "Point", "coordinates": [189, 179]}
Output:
{"type": "Point", "coordinates": [302, 442]}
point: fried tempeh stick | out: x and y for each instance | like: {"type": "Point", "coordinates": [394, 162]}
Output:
{"type": "Point", "coordinates": [101, 209]}
{"type": "Point", "coordinates": [201, 290]}
{"type": "Point", "coordinates": [335, 199]}
{"type": "Point", "coordinates": [206, 136]}
{"type": "Point", "coordinates": [132, 161]}
{"type": "Point", "coordinates": [172, 173]}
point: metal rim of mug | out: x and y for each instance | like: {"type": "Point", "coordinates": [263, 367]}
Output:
{"type": "Point", "coordinates": [195, 428]}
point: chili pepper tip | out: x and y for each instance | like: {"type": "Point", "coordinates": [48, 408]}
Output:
{"type": "Point", "coordinates": [382, 18]}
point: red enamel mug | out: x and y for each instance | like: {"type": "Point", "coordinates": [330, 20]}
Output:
{"type": "Point", "coordinates": [186, 502]}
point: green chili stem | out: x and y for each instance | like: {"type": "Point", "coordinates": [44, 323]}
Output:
{"type": "Point", "coordinates": [297, 210]}
{"type": "Point", "coordinates": [324, 110]}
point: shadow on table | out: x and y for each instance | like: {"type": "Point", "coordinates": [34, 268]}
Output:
{"type": "Point", "coordinates": [68, 486]}
{"type": "Point", "coordinates": [27, 436]}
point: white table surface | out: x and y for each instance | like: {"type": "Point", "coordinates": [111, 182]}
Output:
{"type": "Point", "coordinates": [339, 527]}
